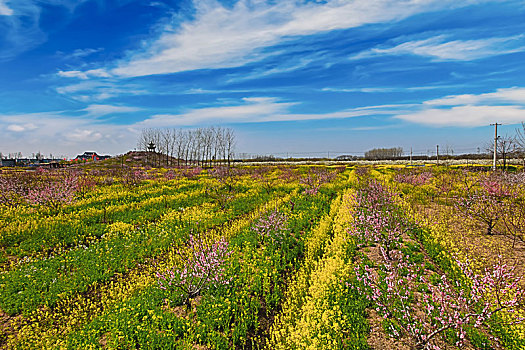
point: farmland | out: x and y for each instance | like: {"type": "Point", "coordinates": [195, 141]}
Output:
{"type": "Point", "coordinates": [122, 256]}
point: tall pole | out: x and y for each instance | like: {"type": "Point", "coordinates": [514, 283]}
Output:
{"type": "Point", "coordinates": [410, 156]}
{"type": "Point", "coordinates": [495, 145]}
{"type": "Point", "coordinates": [437, 154]}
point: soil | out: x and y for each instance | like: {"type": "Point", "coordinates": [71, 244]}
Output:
{"type": "Point", "coordinates": [379, 339]}
{"type": "Point", "coordinates": [265, 320]}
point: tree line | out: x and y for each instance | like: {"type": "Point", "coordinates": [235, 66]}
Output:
{"type": "Point", "coordinates": [384, 153]}
{"type": "Point", "coordinates": [202, 146]}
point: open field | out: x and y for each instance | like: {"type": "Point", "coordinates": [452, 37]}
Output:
{"type": "Point", "coordinates": [120, 256]}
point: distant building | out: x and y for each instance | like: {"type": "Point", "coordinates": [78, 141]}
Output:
{"type": "Point", "coordinates": [8, 162]}
{"type": "Point", "coordinates": [91, 156]}
{"type": "Point", "coordinates": [27, 162]}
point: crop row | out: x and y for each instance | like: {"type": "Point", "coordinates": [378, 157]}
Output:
{"type": "Point", "coordinates": [227, 316]}
{"type": "Point", "coordinates": [323, 310]}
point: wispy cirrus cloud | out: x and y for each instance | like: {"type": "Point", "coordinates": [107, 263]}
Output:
{"type": "Point", "coordinates": [20, 30]}
{"type": "Point", "coordinates": [442, 48]}
{"type": "Point", "coordinates": [258, 110]}
{"type": "Point", "coordinates": [388, 89]}
{"type": "Point", "coordinates": [505, 95]}
{"type": "Point", "coordinates": [97, 73]}
{"type": "Point", "coordinates": [99, 90]}
{"type": "Point", "coordinates": [102, 110]}
{"type": "Point", "coordinates": [79, 53]}
{"type": "Point", "coordinates": [250, 109]}
{"type": "Point", "coordinates": [281, 68]}
{"type": "Point", "coordinates": [225, 37]}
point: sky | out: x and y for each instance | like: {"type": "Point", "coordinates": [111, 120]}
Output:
{"type": "Point", "coordinates": [291, 77]}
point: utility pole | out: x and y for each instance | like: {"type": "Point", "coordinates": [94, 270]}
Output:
{"type": "Point", "coordinates": [437, 154]}
{"type": "Point", "coordinates": [495, 145]}
{"type": "Point", "coordinates": [410, 156]}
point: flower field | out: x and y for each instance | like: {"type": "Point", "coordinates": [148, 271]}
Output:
{"type": "Point", "coordinates": [278, 257]}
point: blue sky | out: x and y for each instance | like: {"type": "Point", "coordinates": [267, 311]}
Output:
{"type": "Point", "coordinates": [303, 77]}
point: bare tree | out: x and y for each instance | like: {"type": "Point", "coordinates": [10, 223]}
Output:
{"type": "Point", "coordinates": [190, 151]}
{"type": "Point", "coordinates": [448, 150]}
{"type": "Point", "coordinates": [217, 141]}
{"type": "Point", "coordinates": [167, 147]}
{"type": "Point", "coordinates": [229, 137]}
{"type": "Point", "coordinates": [180, 144]}
{"type": "Point", "coordinates": [506, 148]}
{"type": "Point", "coordinates": [202, 146]}
{"type": "Point", "coordinates": [144, 139]}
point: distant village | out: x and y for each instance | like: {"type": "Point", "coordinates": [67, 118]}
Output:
{"type": "Point", "coordinates": [39, 160]}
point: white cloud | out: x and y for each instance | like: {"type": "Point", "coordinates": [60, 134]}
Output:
{"type": "Point", "coordinates": [72, 74]}
{"type": "Point", "coordinates": [4, 9]}
{"type": "Point", "coordinates": [83, 135]}
{"type": "Point", "coordinates": [21, 127]}
{"type": "Point", "coordinates": [467, 116]}
{"type": "Point", "coordinates": [507, 95]}
{"type": "Point", "coordinates": [222, 37]}
{"type": "Point", "coordinates": [100, 110]}
{"type": "Point", "coordinates": [440, 48]}
{"type": "Point", "coordinates": [504, 106]}
{"type": "Point", "coordinates": [252, 109]}
{"type": "Point", "coordinates": [97, 73]}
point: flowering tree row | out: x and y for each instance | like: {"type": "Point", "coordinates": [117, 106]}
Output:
{"type": "Point", "coordinates": [424, 306]}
